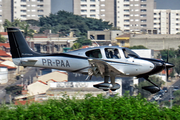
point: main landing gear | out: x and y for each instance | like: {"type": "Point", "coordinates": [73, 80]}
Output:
{"type": "Point", "coordinates": [108, 86]}
{"type": "Point", "coordinates": [152, 89]}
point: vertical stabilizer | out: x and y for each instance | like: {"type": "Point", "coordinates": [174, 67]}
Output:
{"type": "Point", "coordinates": [18, 45]}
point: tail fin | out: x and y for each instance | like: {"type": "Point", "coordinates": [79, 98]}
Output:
{"type": "Point", "coordinates": [18, 45]}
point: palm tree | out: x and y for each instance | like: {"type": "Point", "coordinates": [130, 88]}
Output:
{"type": "Point", "coordinates": [27, 32]}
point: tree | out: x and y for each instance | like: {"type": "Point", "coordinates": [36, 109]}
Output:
{"type": "Point", "coordinates": [14, 90]}
{"type": "Point", "coordinates": [76, 46]}
{"type": "Point", "coordinates": [2, 39]}
{"type": "Point", "coordinates": [22, 25]}
{"type": "Point", "coordinates": [138, 47]}
{"type": "Point", "coordinates": [80, 42]}
{"type": "Point", "coordinates": [27, 32]}
{"type": "Point", "coordinates": [63, 22]}
{"type": "Point", "coordinates": [7, 24]}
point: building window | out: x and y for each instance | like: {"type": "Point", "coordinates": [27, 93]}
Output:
{"type": "Point", "coordinates": [92, 15]}
{"type": "Point", "coordinates": [23, 0]}
{"type": "Point", "coordinates": [40, 15]}
{"type": "Point", "coordinates": [83, 15]}
{"type": "Point", "coordinates": [23, 5]}
{"type": "Point", "coordinates": [83, 5]}
{"type": "Point", "coordinates": [126, 0]}
{"type": "Point", "coordinates": [126, 5]}
{"type": "Point", "coordinates": [40, 6]}
{"type": "Point", "coordinates": [40, 10]}
{"type": "Point", "coordinates": [93, 0]}
{"type": "Point", "coordinates": [92, 10]}
{"type": "Point", "coordinates": [143, 10]}
{"type": "Point", "coordinates": [126, 10]}
{"type": "Point", "coordinates": [126, 30]}
{"type": "Point", "coordinates": [83, 10]}
{"type": "Point", "coordinates": [23, 10]}
{"type": "Point", "coordinates": [143, 25]}
{"type": "Point", "coordinates": [143, 20]}
{"type": "Point", "coordinates": [23, 15]}
{"type": "Point", "coordinates": [143, 0]}
{"type": "Point", "coordinates": [127, 20]}
{"type": "Point", "coordinates": [126, 15]}
{"type": "Point", "coordinates": [83, 0]}
{"type": "Point", "coordinates": [40, 0]}
{"type": "Point", "coordinates": [126, 25]}
{"type": "Point", "coordinates": [93, 5]}
{"type": "Point", "coordinates": [122, 43]}
{"type": "Point", "coordinates": [143, 5]}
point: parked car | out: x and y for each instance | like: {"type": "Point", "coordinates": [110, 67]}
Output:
{"type": "Point", "coordinates": [175, 88]}
{"type": "Point", "coordinates": [156, 97]}
{"type": "Point", "coordinates": [165, 89]}
{"type": "Point", "coordinates": [161, 93]}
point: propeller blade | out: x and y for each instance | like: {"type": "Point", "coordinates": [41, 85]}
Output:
{"type": "Point", "coordinates": [167, 56]}
{"type": "Point", "coordinates": [167, 74]}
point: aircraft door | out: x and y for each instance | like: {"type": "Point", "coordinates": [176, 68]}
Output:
{"type": "Point", "coordinates": [132, 64]}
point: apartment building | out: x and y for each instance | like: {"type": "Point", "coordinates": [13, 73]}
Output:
{"type": "Point", "coordinates": [167, 21]}
{"type": "Point", "coordinates": [135, 15]}
{"type": "Point", "coordinates": [24, 9]}
{"type": "Point", "coordinates": [99, 9]}
{"type": "Point", "coordinates": [5, 10]}
{"type": "Point", "coordinates": [31, 9]}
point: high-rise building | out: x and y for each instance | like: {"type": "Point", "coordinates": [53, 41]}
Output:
{"type": "Point", "coordinates": [24, 9]}
{"type": "Point", "coordinates": [167, 21]}
{"type": "Point", "coordinates": [31, 9]}
{"type": "Point", "coordinates": [128, 15]}
{"type": "Point", "coordinates": [135, 15]}
{"type": "Point", "coordinates": [5, 10]}
{"type": "Point", "coordinates": [99, 9]}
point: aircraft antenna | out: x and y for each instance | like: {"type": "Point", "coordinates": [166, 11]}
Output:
{"type": "Point", "coordinates": [94, 41]}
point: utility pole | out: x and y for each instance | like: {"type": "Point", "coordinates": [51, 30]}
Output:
{"type": "Point", "coordinates": [171, 104]}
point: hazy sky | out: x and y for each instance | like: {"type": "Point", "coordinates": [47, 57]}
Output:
{"type": "Point", "coordinates": [57, 5]}
{"type": "Point", "coordinates": [168, 4]}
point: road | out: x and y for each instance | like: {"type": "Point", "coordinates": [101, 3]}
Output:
{"type": "Point", "coordinates": [168, 94]}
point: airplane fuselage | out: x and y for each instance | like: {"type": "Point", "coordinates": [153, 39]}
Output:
{"type": "Point", "coordinates": [77, 61]}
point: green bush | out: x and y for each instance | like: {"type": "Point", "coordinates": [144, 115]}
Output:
{"type": "Point", "coordinates": [90, 108]}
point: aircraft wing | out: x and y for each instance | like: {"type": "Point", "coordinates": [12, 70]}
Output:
{"type": "Point", "coordinates": [103, 68]}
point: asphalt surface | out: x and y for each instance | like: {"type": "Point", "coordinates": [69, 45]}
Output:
{"type": "Point", "coordinates": [170, 91]}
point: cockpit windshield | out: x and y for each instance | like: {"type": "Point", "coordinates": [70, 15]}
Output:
{"type": "Point", "coordinates": [129, 53]}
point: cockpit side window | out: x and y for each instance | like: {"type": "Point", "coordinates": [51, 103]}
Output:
{"type": "Point", "coordinates": [128, 53]}
{"type": "Point", "coordinates": [112, 53]}
{"type": "Point", "coordinates": [94, 53]}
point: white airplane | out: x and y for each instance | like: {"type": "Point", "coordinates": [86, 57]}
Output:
{"type": "Point", "coordinates": [97, 61]}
